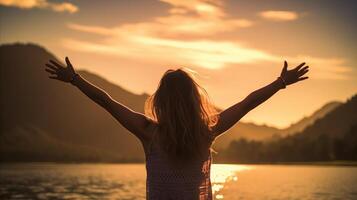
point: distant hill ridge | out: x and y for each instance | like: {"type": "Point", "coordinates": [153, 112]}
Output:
{"type": "Point", "coordinates": [28, 96]}
{"type": "Point", "coordinates": [306, 121]}
{"type": "Point", "coordinates": [337, 122]}
{"type": "Point", "coordinates": [63, 113]}
{"type": "Point", "coordinates": [331, 138]}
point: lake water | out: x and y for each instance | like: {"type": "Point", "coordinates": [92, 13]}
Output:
{"type": "Point", "coordinates": [127, 181]}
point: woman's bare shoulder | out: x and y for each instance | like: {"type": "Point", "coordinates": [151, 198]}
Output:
{"type": "Point", "coordinates": [150, 129]}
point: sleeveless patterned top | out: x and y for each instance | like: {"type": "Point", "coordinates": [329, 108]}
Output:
{"type": "Point", "coordinates": [191, 182]}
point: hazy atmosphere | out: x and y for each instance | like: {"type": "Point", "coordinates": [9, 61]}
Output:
{"type": "Point", "coordinates": [235, 46]}
{"type": "Point", "coordinates": [76, 129]}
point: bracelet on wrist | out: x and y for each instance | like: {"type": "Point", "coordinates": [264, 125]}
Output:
{"type": "Point", "coordinates": [73, 78]}
{"type": "Point", "coordinates": [283, 81]}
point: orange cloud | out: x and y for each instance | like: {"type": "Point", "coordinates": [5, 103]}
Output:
{"type": "Point", "coordinates": [199, 53]}
{"type": "Point", "coordinates": [42, 4]}
{"type": "Point", "coordinates": [203, 8]}
{"type": "Point", "coordinates": [161, 40]}
{"type": "Point", "coordinates": [279, 15]}
{"type": "Point", "coordinates": [324, 68]}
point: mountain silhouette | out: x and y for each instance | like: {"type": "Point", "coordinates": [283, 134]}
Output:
{"type": "Point", "coordinates": [28, 96]}
{"type": "Point", "coordinates": [335, 123]}
{"type": "Point", "coordinates": [309, 120]}
{"type": "Point", "coordinates": [251, 131]}
{"type": "Point", "coordinates": [330, 138]}
{"type": "Point", "coordinates": [60, 119]}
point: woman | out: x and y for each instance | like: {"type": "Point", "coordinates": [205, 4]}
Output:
{"type": "Point", "coordinates": [179, 127]}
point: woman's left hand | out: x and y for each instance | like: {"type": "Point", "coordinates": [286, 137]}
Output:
{"type": "Point", "coordinates": [60, 72]}
{"type": "Point", "coordinates": [294, 75]}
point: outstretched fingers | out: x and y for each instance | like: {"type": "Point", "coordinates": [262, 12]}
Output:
{"type": "Point", "coordinates": [303, 78]}
{"type": "Point", "coordinates": [53, 74]}
{"type": "Point", "coordinates": [50, 71]}
{"type": "Point", "coordinates": [69, 64]}
{"type": "Point", "coordinates": [56, 64]}
{"type": "Point", "coordinates": [51, 67]}
{"type": "Point", "coordinates": [299, 66]}
{"type": "Point", "coordinates": [303, 70]}
{"type": "Point", "coordinates": [285, 68]}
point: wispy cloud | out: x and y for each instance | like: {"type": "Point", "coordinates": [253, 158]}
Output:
{"type": "Point", "coordinates": [163, 36]}
{"type": "Point", "coordinates": [324, 68]}
{"type": "Point", "coordinates": [42, 4]}
{"type": "Point", "coordinates": [279, 15]}
{"type": "Point", "coordinates": [164, 39]}
{"type": "Point", "coordinates": [199, 53]}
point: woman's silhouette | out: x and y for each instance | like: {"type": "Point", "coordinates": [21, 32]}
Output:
{"type": "Point", "coordinates": [178, 128]}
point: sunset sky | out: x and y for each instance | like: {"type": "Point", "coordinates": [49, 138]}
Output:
{"type": "Point", "coordinates": [234, 46]}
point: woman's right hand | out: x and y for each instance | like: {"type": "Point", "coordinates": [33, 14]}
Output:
{"type": "Point", "coordinates": [294, 75]}
{"type": "Point", "coordinates": [60, 72]}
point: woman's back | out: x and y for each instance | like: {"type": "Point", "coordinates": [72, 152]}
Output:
{"type": "Point", "coordinates": [190, 182]}
{"type": "Point", "coordinates": [188, 124]}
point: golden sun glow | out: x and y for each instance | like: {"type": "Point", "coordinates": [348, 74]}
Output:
{"type": "Point", "coordinates": [160, 40]}
{"type": "Point", "coordinates": [279, 15]}
{"type": "Point", "coordinates": [42, 4]}
{"type": "Point", "coordinates": [223, 173]}
{"type": "Point", "coordinates": [236, 45]}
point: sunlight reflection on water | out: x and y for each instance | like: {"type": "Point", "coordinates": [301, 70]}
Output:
{"type": "Point", "coordinates": [127, 182]}
{"type": "Point", "coordinates": [222, 173]}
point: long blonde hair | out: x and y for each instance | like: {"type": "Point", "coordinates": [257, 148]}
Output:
{"type": "Point", "coordinates": [184, 116]}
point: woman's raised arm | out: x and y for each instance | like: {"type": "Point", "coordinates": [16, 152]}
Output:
{"type": "Point", "coordinates": [133, 121]}
{"type": "Point", "coordinates": [233, 114]}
